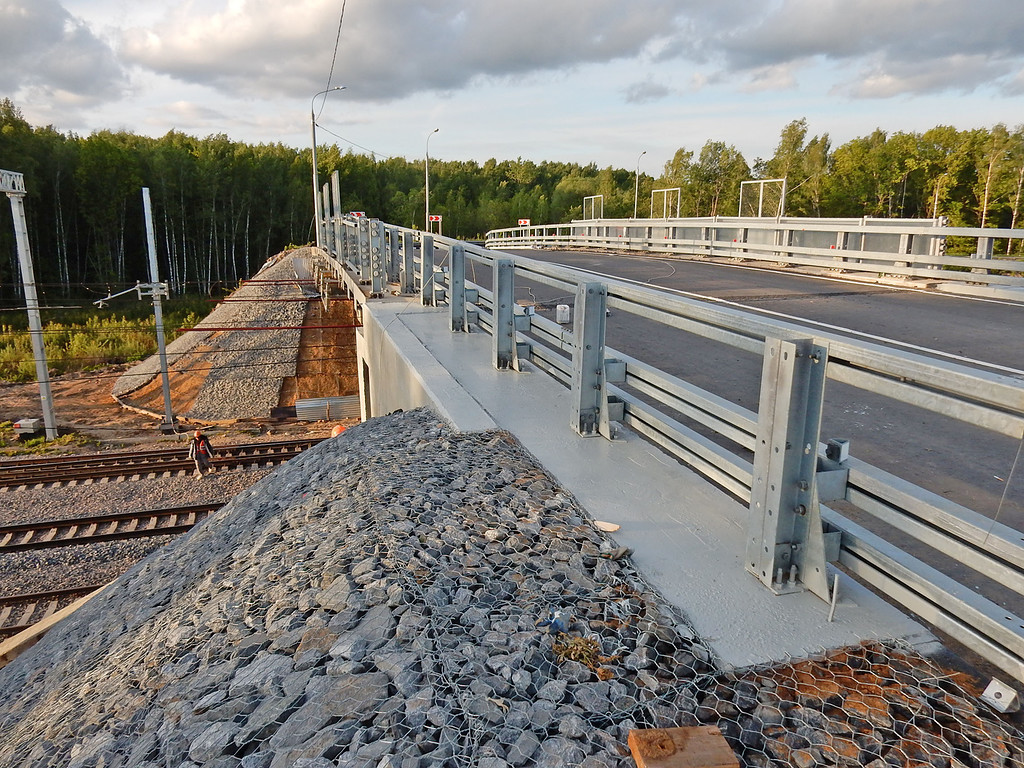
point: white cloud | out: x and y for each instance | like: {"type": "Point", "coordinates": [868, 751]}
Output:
{"type": "Point", "coordinates": [964, 45]}
{"type": "Point", "coordinates": [392, 48]}
{"type": "Point", "coordinates": [549, 79]}
{"type": "Point", "coordinates": [951, 73]}
{"type": "Point", "coordinates": [645, 92]}
{"type": "Point", "coordinates": [50, 55]}
{"type": "Point", "coordinates": [773, 77]}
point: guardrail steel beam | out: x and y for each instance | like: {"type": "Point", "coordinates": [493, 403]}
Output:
{"type": "Point", "coordinates": [782, 485]}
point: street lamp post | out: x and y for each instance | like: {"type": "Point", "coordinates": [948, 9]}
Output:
{"type": "Point", "coordinates": [636, 190]}
{"type": "Point", "coordinates": [318, 224]}
{"type": "Point", "coordinates": [426, 182]}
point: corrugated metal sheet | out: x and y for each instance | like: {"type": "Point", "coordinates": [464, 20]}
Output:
{"type": "Point", "coordinates": [327, 408]}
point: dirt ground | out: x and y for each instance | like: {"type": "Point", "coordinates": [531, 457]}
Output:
{"type": "Point", "coordinates": [83, 404]}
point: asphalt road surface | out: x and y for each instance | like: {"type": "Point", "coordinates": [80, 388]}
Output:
{"type": "Point", "coordinates": [971, 466]}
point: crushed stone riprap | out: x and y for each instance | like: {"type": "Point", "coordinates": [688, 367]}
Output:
{"type": "Point", "coordinates": [403, 596]}
{"type": "Point", "coordinates": [374, 602]}
{"type": "Point", "coordinates": [243, 370]}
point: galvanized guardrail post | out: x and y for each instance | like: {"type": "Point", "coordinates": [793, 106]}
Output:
{"type": "Point", "coordinates": [408, 268]}
{"type": "Point", "coordinates": [588, 357]}
{"type": "Point", "coordinates": [363, 265]}
{"type": "Point", "coordinates": [983, 251]}
{"type": "Point", "coordinates": [503, 334]}
{"type": "Point", "coordinates": [427, 270]}
{"type": "Point", "coordinates": [457, 288]}
{"type": "Point", "coordinates": [785, 541]}
{"type": "Point", "coordinates": [336, 225]}
{"type": "Point", "coordinates": [325, 211]}
{"type": "Point", "coordinates": [377, 258]}
{"type": "Point", "coordinates": [344, 252]}
{"type": "Point", "coordinates": [394, 253]}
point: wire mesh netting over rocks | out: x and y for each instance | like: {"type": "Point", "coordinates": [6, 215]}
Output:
{"type": "Point", "coordinates": [402, 596]}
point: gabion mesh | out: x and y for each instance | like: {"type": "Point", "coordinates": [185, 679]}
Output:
{"type": "Point", "coordinates": [406, 597]}
{"type": "Point", "coordinates": [874, 705]}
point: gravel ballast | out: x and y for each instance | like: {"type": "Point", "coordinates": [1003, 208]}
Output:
{"type": "Point", "coordinates": [87, 564]}
{"type": "Point", "coordinates": [243, 369]}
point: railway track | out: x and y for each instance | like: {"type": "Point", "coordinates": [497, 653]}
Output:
{"type": "Point", "coordinates": [151, 463]}
{"type": "Point", "coordinates": [98, 528]}
{"type": "Point", "coordinates": [19, 612]}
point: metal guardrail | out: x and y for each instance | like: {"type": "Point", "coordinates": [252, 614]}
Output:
{"type": "Point", "coordinates": [911, 248]}
{"type": "Point", "coordinates": [771, 459]}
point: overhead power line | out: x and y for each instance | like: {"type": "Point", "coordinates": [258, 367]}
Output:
{"type": "Point", "coordinates": [334, 56]}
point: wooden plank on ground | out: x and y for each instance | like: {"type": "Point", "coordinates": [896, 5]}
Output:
{"type": "Point", "coordinates": [697, 747]}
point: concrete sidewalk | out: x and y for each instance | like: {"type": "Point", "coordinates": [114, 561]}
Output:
{"type": "Point", "coordinates": [687, 536]}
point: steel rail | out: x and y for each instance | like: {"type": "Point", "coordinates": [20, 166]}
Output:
{"type": "Point", "coordinates": [122, 464]}
{"type": "Point", "coordinates": [49, 534]}
{"type": "Point", "coordinates": [33, 602]}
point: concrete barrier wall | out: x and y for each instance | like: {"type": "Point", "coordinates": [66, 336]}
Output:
{"type": "Point", "coordinates": [396, 370]}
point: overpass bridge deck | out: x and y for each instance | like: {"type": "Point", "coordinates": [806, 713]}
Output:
{"type": "Point", "coordinates": [686, 535]}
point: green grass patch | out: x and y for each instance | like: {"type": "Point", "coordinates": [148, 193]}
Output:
{"type": "Point", "coordinates": [84, 340]}
{"type": "Point", "coordinates": [13, 445]}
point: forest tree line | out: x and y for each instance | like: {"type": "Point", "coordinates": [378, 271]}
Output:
{"type": "Point", "coordinates": [222, 207]}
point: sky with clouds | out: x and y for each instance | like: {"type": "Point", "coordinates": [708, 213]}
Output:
{"type": "Point", "coordinates": [576, 80]}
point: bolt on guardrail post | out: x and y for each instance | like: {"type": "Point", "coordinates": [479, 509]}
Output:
{"type": "Point", "coordinates": [785, 541]}
{"type": "Point", "coordinates": [427, 270]}
{"type": "Point", "coordinates": [457, 288]}
{"type": "Point", "coordinates": [377, 262]}
{"type": "Point", "coordinates": [588, 357]}
{"type": "Point", "coordinates": [408, 268]}
{"type": "Point", "coordinates": [503, 334]}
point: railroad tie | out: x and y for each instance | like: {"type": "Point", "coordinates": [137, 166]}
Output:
{"type": "Point", "coordinates": [26, 617]}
